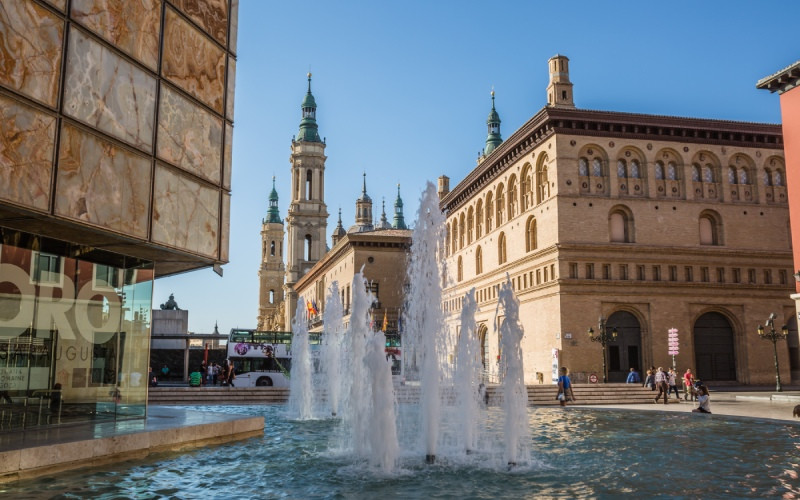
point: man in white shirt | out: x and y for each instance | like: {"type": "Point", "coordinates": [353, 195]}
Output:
{"type": "Point", "coordinates": [662, 385]}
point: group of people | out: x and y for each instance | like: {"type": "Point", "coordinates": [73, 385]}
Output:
{"type": "Point", "coordinates": [667, 382]}
{"type": "Point", "coordinates": [223, 374]}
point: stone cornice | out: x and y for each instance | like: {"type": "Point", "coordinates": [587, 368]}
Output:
{"type": "Point", "coordinates": [782, 81]}
{"type": "Point", "coordinates": [610, 124]}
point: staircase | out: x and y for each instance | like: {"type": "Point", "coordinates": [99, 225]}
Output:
{"type": "Point", "coordinates": [538, 395]}
{"type": "Point", "coordinates": [216, 395]}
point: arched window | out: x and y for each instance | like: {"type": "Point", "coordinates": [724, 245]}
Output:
{"type": "Point", "coordinates": [708, 174]}
{"type": "Point", "coordinates": [501, 249]}
{"type": "Point", "coordinates": [583, 167]}
{"type": "Point", "coordinates": [778, 177]}
{"type": "Point", "coordinates": [672, 171]}
{"type": "Point", "coordinates": [530, 235]}
{"type": "Point", "coordinates": [526, 187]}
{"type": "Point", "coordinates": [489, 211]}
{"type": "Point", "coordinates": [767, 177]}
{"type": "Point", "coordinates": [659, 171]}
{"type": "Point", "coordinates": [447, 238]}
{"type": "Point", "coordinates": [461, 231]}
{"type": "Point", "coordinates": [731, 175]}
{"type": "Point", "coordinates": [263, 249]}
{"type": "Point", "coordinates": [542, 183]}
{"type": "Point", "coordinates": [308, 247]}
{"type": "Point", "coordinates": [743, 177]}
{"type": "Point", "coordinates": [272, 249]}
{"type": "Point", "coordinates": [272, 296]}
{"type": "Point", "coordinates": [309, 177]}
{"type": "Point", "coordinates": [622, 170]}
{"type": "Point", "coordinates": [478, 260]}
{"type": "Point", "coordinates": [500, 205]}
{"type": "Point", "coordinates": [620, 225]}
{"type": "Point", "coordinates": [710, 228]}
{"type": "Point", "coordinates": [597, 168]}
{"type": "Point", "coordinates": [470, 224]}
{"type": "Point", "coordinates": [635, 173]}
{"type": "Point", "coordinates": [513, 197]}
{"type": "Point", "coordinates": [460, 269]}
{"type": "Point", "coordinates": [479, 219]}
{"type": "Point", "coordinates": [455, 236]}
{"type": "Point", "coordinates": [695, 173]}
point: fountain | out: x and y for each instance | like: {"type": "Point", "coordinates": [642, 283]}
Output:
{"type": "Point", "coordinates": [332, 362]}
{"type": "Point", "coordinates": [300, 405]}
{"type": "Point", "coordinates": [468, 375]}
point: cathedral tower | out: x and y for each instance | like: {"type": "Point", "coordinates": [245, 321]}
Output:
{"type": "Point", "coordinates": [559, 90]}
{"type": "Point", "coordinates": [271, 271]}
{"type": "Point", "coordinates": [307, 219]}
{"type": "Point", "coordinates": [493, 138]}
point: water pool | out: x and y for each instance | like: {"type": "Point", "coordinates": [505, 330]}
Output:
{"type": "Point", "coordinates": [576, 453]}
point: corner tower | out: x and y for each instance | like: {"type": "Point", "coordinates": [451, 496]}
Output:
{"type": "Point", "coordinates": [307, 219]}
{"type": "Point", "coordinates": [271, 272]}
{"type": "Point", "coordinates": [559, 90]}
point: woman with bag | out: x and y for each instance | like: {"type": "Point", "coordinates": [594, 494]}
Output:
{"type": "Point", "coordinates": [564, 388]}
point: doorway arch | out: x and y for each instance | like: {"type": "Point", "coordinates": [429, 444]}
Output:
{"type": "Point", "coordinates": [715, 358]}
{"type": "Point", "coordinates": [625, 352]}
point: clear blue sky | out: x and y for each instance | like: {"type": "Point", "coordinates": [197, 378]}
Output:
{"type": "Point", "coordinates": [402, 89]}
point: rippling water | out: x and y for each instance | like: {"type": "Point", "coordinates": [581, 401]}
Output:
{"type": "Point", "coordinates": [575, 453]}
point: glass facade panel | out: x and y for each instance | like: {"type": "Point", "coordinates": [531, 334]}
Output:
{"type": "Point", "coordinates": [74, 333]}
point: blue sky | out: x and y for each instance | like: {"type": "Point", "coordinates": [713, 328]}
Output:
{"type": "Point", "coordinates": [402, 89]}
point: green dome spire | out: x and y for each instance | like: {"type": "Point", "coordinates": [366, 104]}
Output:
{"type": "Point", "coordinates": [308, 125]}
{"type": "Point", "coordinates": [398, 222]}
{"type": "Point", "coordinates": [493, 124]}
{"type": "Point", "coordinates": [273, 215]}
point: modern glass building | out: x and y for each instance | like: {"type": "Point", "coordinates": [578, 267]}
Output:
{"type": "Point", "coordinates": [115, 169]}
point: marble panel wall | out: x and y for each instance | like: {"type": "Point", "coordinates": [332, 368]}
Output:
{"type": "Point", "coordinates": [27, 141]}
{"type": "Point", "coordinates": [211, 15]}
{"type": "Point", "coordinates": [231, 88]}
{"type": "Point", "coordinates": [226, 166]}
{"type": "Point", "coordinates": [193, 62]}
{"type": "Point", "coordinates": [234, 25]}
{"type": "Point", "coordinates": [189, 136]}
{"type": "Point", "coordinates": [108, 93]}
{"type": "Point", "coordinates": [30, 50]}
{"type": "Point", "coordinates": [226, 228]}
{"type": "Point", "coordinates": [185, 213]}
{"type": "Point", "coordinates": [58, 4]}
{"type": "Point", "coordinates": [133, 27]}
{"type": "Point", "coordinates": [102, 183]}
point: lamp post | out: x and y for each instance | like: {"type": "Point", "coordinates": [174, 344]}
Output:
{"type": "Point", "coordinates": [774, 336]}
{"type": "Point", "coordinates": [604, 336]}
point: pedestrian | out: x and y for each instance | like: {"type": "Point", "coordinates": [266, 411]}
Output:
{"type": "Point", "coordinates": [673, 383]}
{"type": "Point", "coordinates": [703, 398]}
{"type": "Point", "coordinates": [661, 384]}
{"type": "Point", "coordinates": [231, 375]}
{"type": "Point", "coordinates": [633, 377]}
{"type": "Point", "coordinates": [564, 388]}
{"type": "Point", "coordinates": [210, 374]}
{"type": "Point", "coordinates": [650, 381]}
{"type": "Point", "coordinates": [216, 372]}
{"type": "Point", "coordinates": [223, 373]}
{"type": "Point", "coordinates": [688, 385]}
{"type": "Point", "coordinates": [165, 372]}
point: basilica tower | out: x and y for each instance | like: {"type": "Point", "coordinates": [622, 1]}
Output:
{"type": "Point", "coordinates": [307, 218]}
{"type": "Point", "coordinates": [559, 90]}
{"type": "Point", "coordinates": [271, 272]}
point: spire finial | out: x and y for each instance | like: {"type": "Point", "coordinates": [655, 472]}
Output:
{"type": "Point", "coordinates": [340, 215]}
{"type": "Point", "coordinates": [309, 82]}
{"type": "Point", "coordinates": [364, 188]}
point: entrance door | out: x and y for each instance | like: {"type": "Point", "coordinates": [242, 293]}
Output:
{"type": "Point", "coordinates": [713, 347]}
{"type": "Point", "coordinates": [624, 353]}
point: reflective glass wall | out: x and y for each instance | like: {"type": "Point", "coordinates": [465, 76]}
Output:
{"type": "Point", "coordinates": [74, 333]}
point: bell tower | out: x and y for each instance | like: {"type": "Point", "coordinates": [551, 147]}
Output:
{"type": "Point", "coordinates": [272, 272]}
{"type": "Point", "coordinates": [307, 218]}
{"type": "Point", "coordinates": [559, 91]}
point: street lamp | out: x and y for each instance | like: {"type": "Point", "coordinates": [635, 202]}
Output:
{"type": "Point", "coordinates": [774, 336]}
{"type": "Point", "coordinates": [604, 336]}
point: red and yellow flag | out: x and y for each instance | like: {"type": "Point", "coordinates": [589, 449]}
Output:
{"type": "Point", "coordinates": [385, 322]}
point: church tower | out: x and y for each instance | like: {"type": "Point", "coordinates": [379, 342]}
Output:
{"type": "Point", "coordinates": [271, 272]}
{"type": "Point", "coordinates": [398, 222]}
{"type": "Point", "coordinates": [363, 211]}
{"type": "Point", "coordinates": [307, 219]}
{"type": "Point", "coordinates": [493, 138]}
{"type": "Point", "coordinates": [559, 90]}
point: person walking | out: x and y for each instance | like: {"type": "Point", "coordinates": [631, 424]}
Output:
{"type": "Point", "coordinates": [564, 388]}
{"type": "Point", "coordinates": [661, 384]}
{"type": "Point", "coordinates": [688, 385]}
{"type": "Point", "coordinates": [633, 377]}
{"type": "Point", "coordinates": [673, 383]}
{"type": "Point", "coordinates": [231, 373]}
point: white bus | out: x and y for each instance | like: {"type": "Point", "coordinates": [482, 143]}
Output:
{"type": "Point", "coordinates": [263, 359]}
